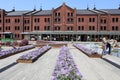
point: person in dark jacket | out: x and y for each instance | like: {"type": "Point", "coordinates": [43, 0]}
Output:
{"type": "Point", "coordinates": [106, 46]}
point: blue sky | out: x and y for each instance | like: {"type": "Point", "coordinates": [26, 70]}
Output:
{"type": "Point", "coordinates": [49, 4]}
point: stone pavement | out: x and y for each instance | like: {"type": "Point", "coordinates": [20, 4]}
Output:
{"type": "Point", "coordinates": [90, 68]}
{"type": "Point", "coordinates": [94, 68]}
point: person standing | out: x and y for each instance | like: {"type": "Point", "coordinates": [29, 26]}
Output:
{"type": "Point", "coordinates": [106, 46]}
{"type": "Point", "coordinates": [0, 47]}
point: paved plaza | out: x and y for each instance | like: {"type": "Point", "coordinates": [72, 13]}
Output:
{"type": "Point", "coordinates": [42, 69]}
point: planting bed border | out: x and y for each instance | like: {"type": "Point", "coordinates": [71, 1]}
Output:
{"type": "Point", "coordinates": [94, 55]}
{"type": "Point", "coordinates": [31, 61]}
{"type": "Point", "coordinates": [52, 45]}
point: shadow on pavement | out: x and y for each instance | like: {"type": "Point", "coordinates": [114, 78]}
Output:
{"type": "Point", "coordinates": [8, 66]}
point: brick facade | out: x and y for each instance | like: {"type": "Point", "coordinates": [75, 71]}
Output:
{"type": "Point", "coordinates": [62, 23]}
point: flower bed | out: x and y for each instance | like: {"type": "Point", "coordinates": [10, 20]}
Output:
{"type": "Point", "coordinates": [50, 43]}
{"type": "Point", "coordinates": [65, 68]}
{"type": "Point", "coordinates": [88, 52]}
{"type": "Point", "coordinates": [7, 53]}
{"type": "Point", "coordinates": [33, 55]}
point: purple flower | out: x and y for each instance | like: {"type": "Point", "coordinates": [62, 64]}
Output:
{"type": "Point", "coordinates": [12, 51]}
{"type": "Point", "coordinates": [34, 54]}
{"type": "Point", "coordinates": [65, 66]}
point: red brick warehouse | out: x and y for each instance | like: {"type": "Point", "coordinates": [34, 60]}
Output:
{"type": "Point", "coordinates": [61, 24]}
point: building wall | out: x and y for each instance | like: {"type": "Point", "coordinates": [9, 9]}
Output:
{"type": "Point", "coordinates": [14, 24]}
{"type": "Point", "coordinates": [2, 15]}
{"type": "Point", "coordinates": [67, 17]}
{"type": "Point", "coordinates": [86, 23]}
{"type": "Point", "coordinates": [62, 18]}
{"type": "Point", "coordinates": [43, 21]}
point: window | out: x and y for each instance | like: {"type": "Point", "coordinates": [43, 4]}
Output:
{"type": "Point", "coordinates": [0, 15]}
{"type": "Point", "coordinates": [17, 20]}
{"type": "Point", "coordinates": [116, 19]}
{"type": "Point", "coordinates": [28, 28]}
{"type": "Point", "coordinates": [47, 20]}
{"type": "Point", "coordinates": [46, 27]}
{"type": "Point", "coordinates": [104, 20]}
{"type": "Point", "coordinates": [7, 20]}
{"type": "Point", "coordinates": [116, 28]}
{"type": "Point", "coordinates": [55, 14]}
{"type": "Point", "coordinates": [69, 14]}
{"type": "Point", "coordinates": [59, 14]}
{"type": "Point", "coordinates": [27, 21]}
{"type": "Point", "coordinates": [0, 21]}
{"type": "Point", "coordinates": [17, 36]}
{"type": "Point", "coordinates": [0, 28]}
{"type": "Point", "coordinates": [78, 27]}
{"type": "Point", "coordinates": [70, 19]}
{"type": "Point", "coordinates": [36, 28]}
{"type": "Point", "coordinates": [104, 27]}
{"type": "Point", "coordinates": [36, 20]}
{"type": "Point", "coordinates": [112, 27]}
{"type": "Point", "coordinates": [101, 20]}
{"type": "Point", "coordinates": [113, 19]}
{"type": "Point", "coordinates": [7, 27]}
{"type": "Point", "coordinates": [57, 28]}
{"type": "Point", "coordinates": [101, 27]}
{"type": "Point", "coordinates": [82, 27]}
{"type": "Point", "coordinates": [91, 19]}
{"type": "Point", "coordinates": [80, 19]}
{"type": "Point", "coordinates": [17, 27]}
{"type": "Point", "coordinates": [57, 20]}
{"type": "Point", "coordinates": [91, 27]}
{"type": "Point", "coordinates": [70, 28]}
